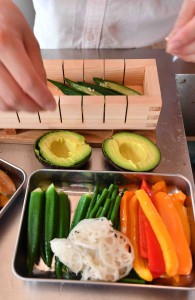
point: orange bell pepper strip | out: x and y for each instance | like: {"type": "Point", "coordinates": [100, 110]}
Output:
{"type": "Point", "coordinates": [161, 232]}
{"type": "Point", "coordinates": [159, 186]}
{"type": "Point", "coordinates": [124, 212]}
{"type": "Point", "coordinates": [140, 264]}
{"type": "Point", "coordinates": [180, 196]}
{"type": "Point", "coordinates": [172, 221]}
{"type": "Point", "coordinates": [156, 262]}
{"type": "Point", "coordinates": [183, 215]}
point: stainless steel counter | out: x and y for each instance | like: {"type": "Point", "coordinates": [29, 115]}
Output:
{"type": "Point", "coordinates": [171, 140]}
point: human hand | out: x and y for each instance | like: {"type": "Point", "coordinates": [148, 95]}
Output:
{"type": "Point", "coordinates": [181, 41]}
{"type": "Point", "coordinates": [22, 75]}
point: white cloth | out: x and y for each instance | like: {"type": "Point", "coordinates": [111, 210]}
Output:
{"type": "Point", "coordinates": [103, 23]}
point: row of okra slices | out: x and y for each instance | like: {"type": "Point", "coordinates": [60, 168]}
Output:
{"type": "Point", "coordinates": [98, 88]}
{"type": "Point", "coordinates": [155, 221]}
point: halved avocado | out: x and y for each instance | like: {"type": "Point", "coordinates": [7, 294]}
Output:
{"type": "Point", "coordinates": [131, 151]}
{"type": "Point", "coordinates": [63, 149]}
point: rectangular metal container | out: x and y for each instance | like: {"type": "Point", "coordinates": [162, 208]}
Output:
{"type": "Point", "coordinates": [76, 183]}
{"type": "Point", "coordinates": [18, 176]}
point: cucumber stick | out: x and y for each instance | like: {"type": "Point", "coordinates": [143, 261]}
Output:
{"type": "Point", "coordinates": [124, 90]}
{"type": "Point", "coordinates": [35, 217]}
{"type": "Point", "coordinates": [51, 217]}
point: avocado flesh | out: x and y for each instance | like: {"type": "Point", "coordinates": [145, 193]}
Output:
{"type": "Point", "coordinates": [64, 148]}
{"type": "Point", "coordinates": [131, 152]}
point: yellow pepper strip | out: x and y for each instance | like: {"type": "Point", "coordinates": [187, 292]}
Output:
{"type": "Point", "coordinates": [140, 264]}
{"type": "Point", "coordinates": [173, 224]}
{"type": "Point", "coordinates": [182, 212]}
{"type": "Point", "coordinates": [161, 232]}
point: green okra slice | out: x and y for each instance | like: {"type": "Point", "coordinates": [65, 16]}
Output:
{"type": "Point", "coordinates": [35, 218]}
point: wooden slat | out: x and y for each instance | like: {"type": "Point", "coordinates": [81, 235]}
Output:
{"type": "Point", "coordinates": [50, 119]}
{"type": "Point", "coordinates": [134, 71]}
{"type": "Point", "coordinates": [73, 69]}
{"type": "Point", "coordinates": [9, 120]}
{"type": "Point", "coordinates": [151, 81]}
{"type": "Point", "coordinates": [93, 68]}
{"type": "Point", "coordinates": [115, 110]}
{"type": "Point", "coordinates": [93, 111]}
{"type": "Point", "coordinates": [114, 70]}
{"type": "Point", "coordinates": [71, 111]}
{"type": "Point", "coordinates": [54, 71]}
{"type": "Point", "coordinates": [93, 137]}
{"type": "Point", "coordinates": [28, 118]}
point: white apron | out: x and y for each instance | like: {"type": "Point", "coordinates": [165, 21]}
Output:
{"type": "Point", "coordinates": [103, 23]}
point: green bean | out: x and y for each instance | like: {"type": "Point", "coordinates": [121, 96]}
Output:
{"type": "Point", "coordinates": [115, 209]}
{"type": "Point", "coordinates": [81, 210]}
{"type": "Point", "coordinates": [105, 207]}
{"type": "Point", "coordinates": [93, 200]}
{"type": "Point", "coordinates": [113, 197]}
{"type": "Point", "coordinates": [99, 203]}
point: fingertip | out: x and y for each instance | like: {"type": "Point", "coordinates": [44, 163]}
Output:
{"type": "Point", "coordinates": [50, 105]}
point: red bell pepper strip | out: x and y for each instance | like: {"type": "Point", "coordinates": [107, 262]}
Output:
{"type": "Point", "coordinates": [142, 240]}
{"type": "Point", "coordinates": [156, 262]}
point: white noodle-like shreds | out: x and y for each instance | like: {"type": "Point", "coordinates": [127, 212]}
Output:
{"type": "Point", "coordinates": [96, 250]}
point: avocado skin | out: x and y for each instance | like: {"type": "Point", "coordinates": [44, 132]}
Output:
{"type": "Point", "coordinates": [48, 163]}
{"type": "Point", "coordinates": [126, 136]}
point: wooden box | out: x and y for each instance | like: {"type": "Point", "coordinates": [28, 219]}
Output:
{"type": "Point", "coordinates": [97, 112]}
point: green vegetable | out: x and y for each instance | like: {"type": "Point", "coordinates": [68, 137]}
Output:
{"type": "Point", "coordinates": [132, 280]}
{"type": "Point", "coordinates": [124, 90]}
{"type": "Point", "coordinates": [82, 88]}
{"type": "Point", "coordinates": [105, 208]}
{"type": "Point", "coordinates": [51, 217]}
{"type": "Point", "coordinates": [93, 200]}
{"type": "Point", "coordinates": [65, 89]}
{"type": "Point", "coordinates": [81, 210]}
{"type": "Point", "coordinates": [115, 209]}
{"type": "Point", "coordinates": [102, 90]}
{"type": "Point", "coordinates": [35, 217]}
{"type": "Point", "coordinates": [63, 226]}
{"type": "Point", "coordinates": [98, 214]}
{"type": "Point", "coordinates": [99, 203]}
{"type": "Point", "coordinates": [113, 198]}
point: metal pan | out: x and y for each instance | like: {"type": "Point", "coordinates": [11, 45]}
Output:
{"type": "Point", "coordinates": [76, 183]}
{"type": "Point", "coordinates": [18, 176]}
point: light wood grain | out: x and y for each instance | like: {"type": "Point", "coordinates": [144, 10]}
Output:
{"type": "Point", "coordinates": [93, 68]}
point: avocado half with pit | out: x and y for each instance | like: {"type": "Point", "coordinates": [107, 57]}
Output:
{"type": "Point", "coordinates": [62, 149]}
{"type": "Point", "coordinates": [131, 152]}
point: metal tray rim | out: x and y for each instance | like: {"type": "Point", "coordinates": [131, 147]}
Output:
{"type": "Point", "coordinates": [14, 196]}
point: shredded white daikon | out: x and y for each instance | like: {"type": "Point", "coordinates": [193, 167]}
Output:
{"type": "Point", "coordinates": [96, 250]}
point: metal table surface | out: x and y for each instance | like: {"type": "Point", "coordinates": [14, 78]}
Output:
{"type": "Point", "coordinates": [171, 140]}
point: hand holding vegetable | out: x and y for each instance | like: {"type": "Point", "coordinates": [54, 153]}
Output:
{"type": "Point", "coordinates": [23, 80]}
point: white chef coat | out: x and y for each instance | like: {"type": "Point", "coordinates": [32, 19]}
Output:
{"type": "Point", "coordinates": [103, 23]}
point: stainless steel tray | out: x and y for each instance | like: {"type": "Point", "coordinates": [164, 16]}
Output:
{"type": "Point", "coordinates": [18, 176]}
{"type": "Point", "coordinates": [75, 183]}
